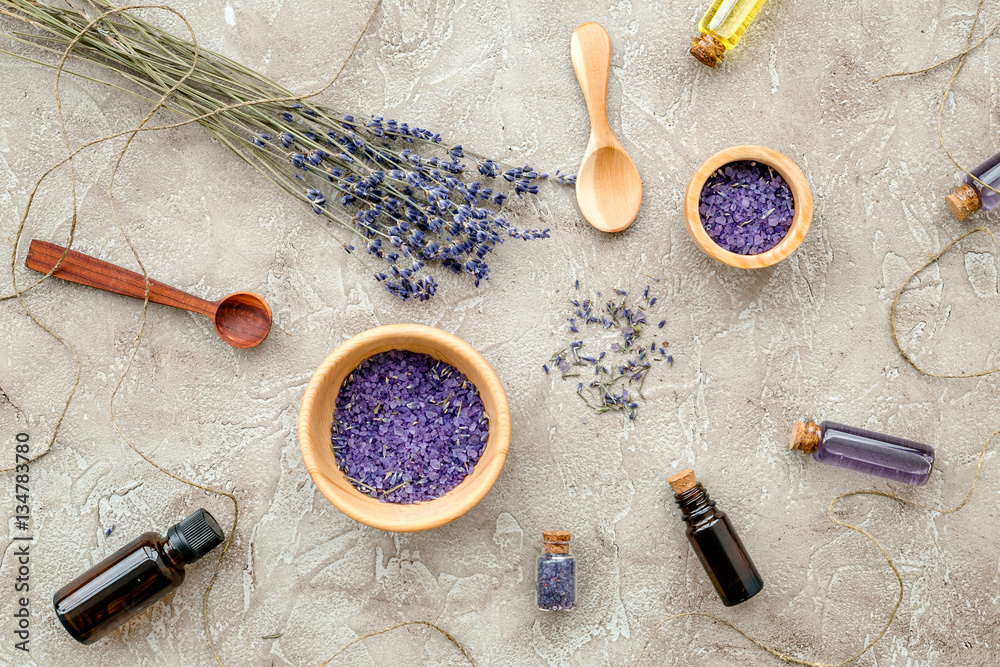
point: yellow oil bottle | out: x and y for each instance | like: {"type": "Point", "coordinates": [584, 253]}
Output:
{"type": "Point", "coordinates": [721, 28]}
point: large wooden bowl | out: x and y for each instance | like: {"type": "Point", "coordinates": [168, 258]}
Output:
{"type": "Point", "coordinates": [801, 196]}
{"type": "Point", "coordinates": [316, 419]}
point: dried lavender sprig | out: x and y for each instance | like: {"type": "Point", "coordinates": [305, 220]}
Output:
{"type": "Point", "coordinates": [620, 371]}
{"type": "Point", "coordinates": [402, 190]}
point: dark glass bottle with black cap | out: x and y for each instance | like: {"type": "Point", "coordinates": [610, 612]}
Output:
{"type": "Point", "coordinates": [134, 577]}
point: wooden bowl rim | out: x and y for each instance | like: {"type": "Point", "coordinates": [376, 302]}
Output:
{"type": "Point", "coordinates": [393, 516]}
{"type": "Point", "coordinates": [801, 197]}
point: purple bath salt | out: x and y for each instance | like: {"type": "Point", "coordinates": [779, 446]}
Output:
{"type": "Point", "coordinates": [746, 207]}
{"type": "Point", "coordinates": [407, 427]}
{"type": "Point", "coordinates": [556, 583]}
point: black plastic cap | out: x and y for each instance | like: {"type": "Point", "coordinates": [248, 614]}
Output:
{"type": "Point", "coordinates": [195, 536]}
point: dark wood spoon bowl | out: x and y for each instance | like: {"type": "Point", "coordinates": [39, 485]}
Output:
{"type": "Point", "coordinates": [242, 319]}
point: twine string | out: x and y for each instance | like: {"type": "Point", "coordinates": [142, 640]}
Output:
{"type": "Point", "coordinates": [143, 126]}
{"type": "Point", "coordinates": [961, 58]}
{"type": "Point", "coordinates": [130, 135]}
{"type": "Point", "coordinates": [902, 288]}
{"type": "Point", "coordinates": [383, 631]}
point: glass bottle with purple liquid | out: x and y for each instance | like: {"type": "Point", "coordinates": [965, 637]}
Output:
{"type": "Point", "coordinates": [873, 453]}
{"type": "Point", "coordinates": [556, 573]}
{"type": "Point", "coordinates": [971, 195]}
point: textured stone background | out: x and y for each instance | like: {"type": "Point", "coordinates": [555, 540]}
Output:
{"type": "Point", "coordinates": [754, 350]}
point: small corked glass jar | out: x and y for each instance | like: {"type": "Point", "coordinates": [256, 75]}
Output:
{"type": "Point", "coordinates": [556, 590]}
{"type": "Point", "coordinates": [978, 190]}
{"type": "Point", "coordinates": [858, 449]}
{"type": "Point", "coordinates": [721, 28]}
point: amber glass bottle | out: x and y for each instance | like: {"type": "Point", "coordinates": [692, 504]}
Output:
{"type": "Point", "coordinates": [717, 545]}
{"type": "Point", "coordinates": [134, 577]}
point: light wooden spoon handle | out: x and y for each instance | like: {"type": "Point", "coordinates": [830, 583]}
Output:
{"type": "Point", "coordinates": [83, 269]}
{"type": "Point", "coordinates": [590, 49]}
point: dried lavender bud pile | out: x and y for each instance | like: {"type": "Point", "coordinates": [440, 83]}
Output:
{"type": "Point", "coordinates": [611, 379]}
{"type": "Point", "coordinates": [556, 584]}
{"type": "Point", "coordinates": [407, 427]}
{"type": "Point", "coordinates": [746, 207]}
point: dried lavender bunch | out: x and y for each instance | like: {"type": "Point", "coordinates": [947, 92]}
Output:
{"type": "Point", "coordinates": [619, 371]}
{"type": "Point", "coordinates": [413, 201]}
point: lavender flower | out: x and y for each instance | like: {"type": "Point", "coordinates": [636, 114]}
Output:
{"type": "Point", "coordinates": [407, 194]}
{"type": "Point", "coordinates": [625, 363]}
{"type": "Point", "coordinates": [401, 186]}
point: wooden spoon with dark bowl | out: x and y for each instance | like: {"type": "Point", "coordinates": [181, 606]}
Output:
{"type": "Point", "coordinates": [241, 319]}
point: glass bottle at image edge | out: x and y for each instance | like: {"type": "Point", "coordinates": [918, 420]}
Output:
{"type": "Point", "coordinates": [971, 195]}
{"type": "Point", "coordinates": [721, 28]}
{"type": "Point", "coordinates": [869, 452]}
{"type": "Point", "coordinates": [556, 573]}
{"type": "Point", "coordinates": [134, 577]}
{"type": "Point", "coordinates": [716, 544]}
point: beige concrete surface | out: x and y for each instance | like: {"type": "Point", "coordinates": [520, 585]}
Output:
{"type": "Point", "coordinates": [754, 350]}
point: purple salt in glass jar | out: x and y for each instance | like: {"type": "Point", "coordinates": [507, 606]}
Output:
{"type": "Point", "coordinates": [746, 207]}
{"type": "Point", "coordinates": [556, 573]}
{"type": "Point", "coordinates": [407, 427]}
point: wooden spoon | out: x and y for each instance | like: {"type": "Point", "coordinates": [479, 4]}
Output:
{"type": "Point", "coordinates": [241, 319]}
{"type": "Point", "coordinates": [608, 187]}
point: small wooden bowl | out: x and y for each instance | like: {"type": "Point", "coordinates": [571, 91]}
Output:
{"type": "Point", "coordinates": [801, 196]}
{"type": "Point", "coordinates": [316, 419]}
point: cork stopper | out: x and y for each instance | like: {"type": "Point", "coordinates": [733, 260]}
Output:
{"type": "Point", "coordinates": [682, 481]}
{"type": "Point", "coordinates": [707, 49]}
{"type": "Point", "coordinates": [963, 200]}
{"type": "Point", "coordinates": [556, 541]}
{"type": "Point", "coordinates": [805, 437]}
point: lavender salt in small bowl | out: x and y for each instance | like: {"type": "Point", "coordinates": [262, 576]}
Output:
{"type": "Point", "coordinates": [748, 207]}
{"type": "Point", "coordinates": [408, 427]}
{"type": "Point", "coordinates": [396, 506]}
